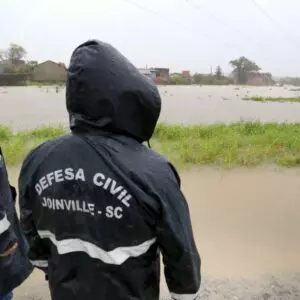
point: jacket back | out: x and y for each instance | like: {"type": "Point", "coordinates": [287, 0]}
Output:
{"type": "Point", "coordinates": [97, 205]}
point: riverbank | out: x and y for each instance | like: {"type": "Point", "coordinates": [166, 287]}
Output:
{"type": "Point", "coordinates": [246, 226]}
{"type": "Point", "coordinates": [235, 145]}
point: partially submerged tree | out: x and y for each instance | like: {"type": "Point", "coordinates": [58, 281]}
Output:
{"type": "Point", "coordinates": [242, 67]}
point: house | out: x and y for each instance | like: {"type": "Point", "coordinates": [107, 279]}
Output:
{"type": "Point", "coordinates": [162, 75]}
{"type": "Point", "coordinates": [148, 72]}
{"type": "Point", "coordinates": [49, 71]}
{"type": "Point", "coordinates": [3, 65]}
{"type": "Point", "coordinates": [12, 66]}
{"type": "Point", "coordinates": [187, 75]}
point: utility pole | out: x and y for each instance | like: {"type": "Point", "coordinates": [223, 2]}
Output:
{"type": "Point", "coordinates": [211, 75]}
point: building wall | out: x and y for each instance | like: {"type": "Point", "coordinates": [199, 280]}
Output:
{"type": "Point", "coordinates": [49, 71]}
{"type": "Point", "coordinates": [162, 75]}
{"type": "Point", "coordinates": [4, 65]}
{"type": "Point", "coordinates": [186, 74]}
{"type": "Point", "coordinates": [12, 66]}
{"type": "Point", "coordinates": [149, 73]}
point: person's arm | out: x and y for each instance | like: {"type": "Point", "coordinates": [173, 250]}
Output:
{"type": "Point", "coordinates": [8, 240]}
{"type": "Point", "coordinates": [176, 241]}
{"type": "Point", "coordinates": [38, 251]}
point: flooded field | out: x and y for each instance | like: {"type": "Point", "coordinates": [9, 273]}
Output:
{"type": "Point", "coordinates": [28, 107]}
{"type": "Point", "coordinates": [246, 225]}
{"type": "Point", "coordinates": [246, 222]}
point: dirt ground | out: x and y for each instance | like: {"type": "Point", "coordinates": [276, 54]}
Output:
{"type": "Point", "coordinates": [247, 228]}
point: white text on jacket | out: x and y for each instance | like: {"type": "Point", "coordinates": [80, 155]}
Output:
{"type": "Point", "coordinates": [98, 179]}
{"type": "Point", "coordinates": [82, 206]}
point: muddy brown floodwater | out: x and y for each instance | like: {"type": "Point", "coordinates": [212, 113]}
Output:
{"type": "Point", "coordinates": [246, 222]}
{"type": "Point", "coordinates": [29, 107]}
{"type": "Point", "coordinates": [247, 228]}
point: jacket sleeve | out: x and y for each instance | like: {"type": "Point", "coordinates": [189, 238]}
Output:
{"type": "Point", "coordinates": [176, 241]}
{"type": "Point", "coordinates": [7, 236]}
{"type": "Point", "coordinates": [38, 251]}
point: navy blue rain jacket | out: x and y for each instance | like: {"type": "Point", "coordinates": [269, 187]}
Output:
{"type": "Point", "coordinates": [97, 206]}
{"type": "Point", "coordinates": [15, 268]}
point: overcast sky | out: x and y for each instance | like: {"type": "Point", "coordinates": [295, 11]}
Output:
{"type": "Point", "coordinates": [182, 35]}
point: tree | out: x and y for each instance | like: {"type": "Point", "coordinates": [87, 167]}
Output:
{"type": "Point", "coordinates": [177, 78]}
{"type": "Point", "coordinates": [242, 67]}
{"type": "Point", "coordinates": [198, 78]}
{"type": "Point", "coordinates": [219, 73]}
{"type": "Point", "coordinates": [15, 52]}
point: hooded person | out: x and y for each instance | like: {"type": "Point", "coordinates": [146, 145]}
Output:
{"type": "Point", "coordinates": [97, 206]}
{"type": "Point", "coordinates": [14, 264]}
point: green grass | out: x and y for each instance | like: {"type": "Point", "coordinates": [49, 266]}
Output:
{"type": "Point", "coordinates": [17, 145]}
{"type": "Point", "coordinates": [270, 99]}
{"type": "Point", "coordinates": [234, 145]}
{"type": "Point", "coordinates": [45, 83]}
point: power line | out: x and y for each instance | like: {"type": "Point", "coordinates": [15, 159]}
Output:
{"type": "Point", "coordinates": [187, 28]}
{"type": "Point", "coordinates": [177, 23]}
{"type": "Point", "coordinates": [216, 17]}
{"type": "Point", "coordinates": [266, 14]}
{"type": "Point", "coordinates": [263, 11]}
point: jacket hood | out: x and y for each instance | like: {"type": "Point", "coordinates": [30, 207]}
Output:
{"type": "Point", "coordinates": [105, 92]}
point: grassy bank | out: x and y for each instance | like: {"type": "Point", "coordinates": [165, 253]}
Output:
{"type": "Point", "coordinates": [272, 99]}
{"type": "Point", "coordinates": [17, 145]}
{"type": "Point", "coordinates": [239, 144]}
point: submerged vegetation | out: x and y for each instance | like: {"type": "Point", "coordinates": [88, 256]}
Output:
{"type": "Point", "coordinates": [272, 99]}
{"type": "Point", "coordinates": [233, 145]}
